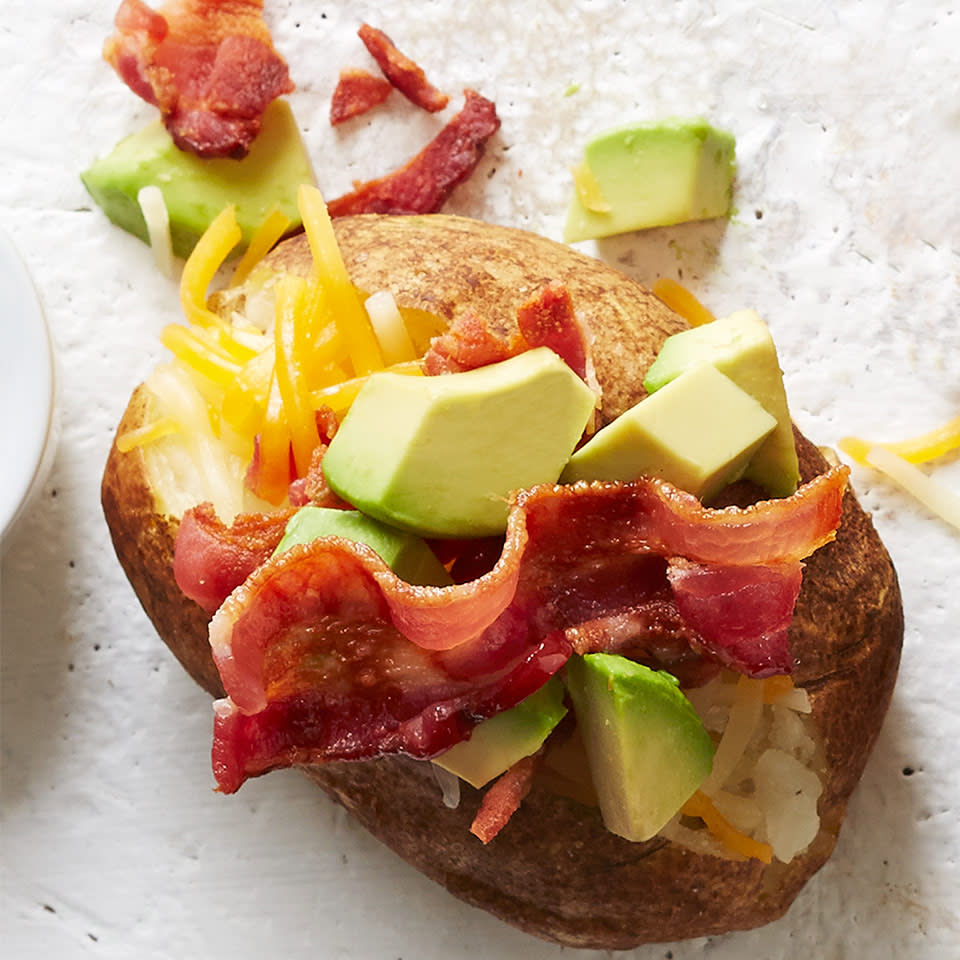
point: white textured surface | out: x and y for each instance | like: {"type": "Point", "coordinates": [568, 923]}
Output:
{"type": "Point", "coordinates": [847, 116]}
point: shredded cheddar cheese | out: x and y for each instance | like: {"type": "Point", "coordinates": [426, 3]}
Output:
{"type": "Point", "coordinates": [703, 808]}
{"type": "Point", "coordinates": [345, 305]}
{"type": "Point", "coordinates": [291, 345]}
{"type": "Point", "coordinates": [274, 226]}
{"type": "Point", "coordinates": [934, 496]}
{"type": "Point", "coordinates": [258, 385]}
{"type": "Point", "coordinates": [680, 300]}
{"type": "Point", "coordinates": [205, 260]}
{"type": "Point", "coordinates": [920, 449]}
{"type": "Point", "coordinates": [147, 433]}
{"type": "Point", "coordinates": [339, 396]}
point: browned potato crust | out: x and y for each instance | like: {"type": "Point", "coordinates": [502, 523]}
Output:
{"type": "Point", "coordinates": [555, 871]}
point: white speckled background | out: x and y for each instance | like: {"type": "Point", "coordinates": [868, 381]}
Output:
{"type": "Point", "coordinates": [847, 239]}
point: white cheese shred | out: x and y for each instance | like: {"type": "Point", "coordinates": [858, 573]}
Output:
{"type": "Point", "coordinates": [934, 496]}
{"type": "Point", "coordinates": [157, 219]}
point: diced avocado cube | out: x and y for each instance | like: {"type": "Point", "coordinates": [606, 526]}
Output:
{"type": "Point", "coordinates": [741, 347]}
{"type": "Point", "coordinates": [647, 749]}
{"type": "Point", "coordinates": [440, 456]}
{"type": "Point", "coordinates": [409, 557]}
{"type": "Point", "coordinates": [498, 743]}
{"type": "Point", "coordinates": [698, 432]}
{"type": "Point", "coordinates": [196, 190]}
{"type": "Point", "coordinates": [652, 175]}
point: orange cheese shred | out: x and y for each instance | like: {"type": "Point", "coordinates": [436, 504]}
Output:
{"type": "Point", "coordinates": [702, 807]}
{"type": "Point", "coordinates": [345, 306]}
{"type": "Point", "coordinates": [275, 224]}
{"type": "Point", "coordinates": [680, 300]}
{"type": "Point", "coordinates": [274, 470]}
{"type": "Point", "coordinates": [207, 258]}
{"type": "Point", "coordinates": [292, 347]}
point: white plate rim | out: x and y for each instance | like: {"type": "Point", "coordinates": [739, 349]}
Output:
{"type": "Point", "coordinates": [27, 385]}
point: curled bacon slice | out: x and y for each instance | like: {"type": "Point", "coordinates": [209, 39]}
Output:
{"type": "Point", "coordinates": [357, 91]}
{"type": "Point", "coordinates": [209, 66]}
{"type": "Point", "coordinates": [401, 71]}
{"type": "Point", "coordinates": [423, 184]}
{"type": "Point", "coordinates": [325, 654]}
{"type": "Point", "coordinates": [210, 560]}
{"type": "Point", "coordinates": [742, 613]}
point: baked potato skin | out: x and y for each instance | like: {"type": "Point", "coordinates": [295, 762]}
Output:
{"type": "Point", "coordinates": [555, 871]}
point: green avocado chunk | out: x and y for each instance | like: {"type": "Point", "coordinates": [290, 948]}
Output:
{"type": "Point", "coordinates": [499, 742]}
{"type": "Point", "coordinates": [651, 175]}
{"type": "Point", "coordinates": [196, 190]}
{"type": "Point", "coordinates": [409, 557]}
{"type": "Point", "coordinates": [698, 432]}
{"type": "Point", "coordinates": [440, 456]}
{"type": "Point", "coordinates": [741, 347]}
{"type": "Point", "coordinates": [647, 749]}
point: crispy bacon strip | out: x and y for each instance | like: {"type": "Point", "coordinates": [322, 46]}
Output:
{"type": "Point", "coordinates": [325, 654]}
{"type": "Point", "coordinates": [401, 71]}
{"type": "Point", "coordinates": [209, 66]}
{"type": "Point", "coordinates": [425, 182]}
{"type": "Point", "coordinates": [503, 798]}
{"type": "Point", "coordinates": [357, 91]}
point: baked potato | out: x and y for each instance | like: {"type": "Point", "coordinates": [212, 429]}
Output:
{"type": "Point", "coordinates": [557, 872]}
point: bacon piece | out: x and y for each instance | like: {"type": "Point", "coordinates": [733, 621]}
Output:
{"type": "Point", "coordinates": [742, 613]}
{"type": "Point", "coordinates": [211, 560]}
{"type": "Point", "coordinates": [401, 71]}
{"type": "Point", "coordinates": [368, 695]}
{"type": "Point", "coordinates": [209, 66]}
{"type": "Point", "coordinates": [357, 91]}
{"type": "Point", "coordinates": [423, 184]}
{"type": "Point", "coordinates": [325, 654]}
{"type": "Point", "coordinates": [470, 342]}
{"type": "Point", "coordinates": [503, 798]}
{"type": "Point", "coordinates": [548, 320]}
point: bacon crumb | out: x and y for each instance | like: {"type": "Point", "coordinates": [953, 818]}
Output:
{"type": "Point", "coordinates": [401, 71]}
{"type": "Point", "coordinates": [423, 184]}
{"type": "Point", "coordinates": [209, 66]}
{"type": "Point", "coordinates": [503, 798]}
{"type": "Point", "coordinates": [357, 92]}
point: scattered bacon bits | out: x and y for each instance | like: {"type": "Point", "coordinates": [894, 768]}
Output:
{"type": "Point", "coordinates": [423, 184]}
{"type": "Point", "coordinates": [401, 71]}
{"type": "Point", "coordinates": [209, 66]}
{"type": "Point", "coordinates": [357, 92]}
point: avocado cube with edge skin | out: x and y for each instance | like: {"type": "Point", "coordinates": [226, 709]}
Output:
{"type": "Point", "coordinates": [651, 175]}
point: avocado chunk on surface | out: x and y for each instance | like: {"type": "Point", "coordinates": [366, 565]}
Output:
{"type": "Point", "coordinates": [651, 175]}
{"type": "Point", "coordinates": [499, 742]}
{"type": "Point", "coordinates": [698, 432]}
{"type": "Point", "coordinates": [409, 557]}
{"type": "Point", "coordinates": [741, 347]}
{"type": "Point", "coordinates": [440, 456]}
{"type": "Point", "coordinates": [196, 190]}
{"type": "Point", "coordinates": [647, 749]}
